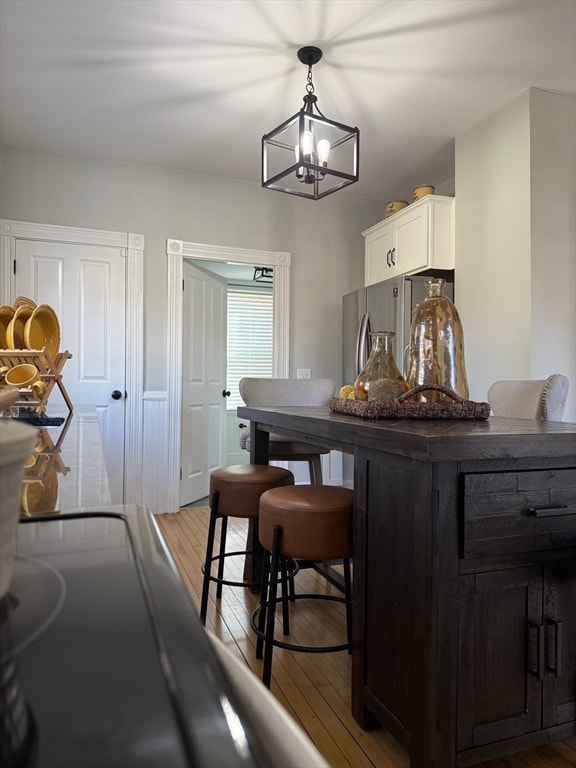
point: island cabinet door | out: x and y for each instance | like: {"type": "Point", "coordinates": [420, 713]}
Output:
{"type": "Point", "coordinates": [501, 656]}
{"type": "Point", "coordinates": [559, 683]}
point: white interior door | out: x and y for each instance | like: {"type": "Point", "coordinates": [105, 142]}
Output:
{"type": "Point", "coordinates": [85, 285]}
{"type": "Point", "coordinates": [203, 437]}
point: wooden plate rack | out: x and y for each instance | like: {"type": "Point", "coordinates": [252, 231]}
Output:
{"type": "Point", "coordinates": [49, 371]}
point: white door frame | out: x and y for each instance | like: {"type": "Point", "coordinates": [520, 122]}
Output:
{"type": "Point", "coordinates": [176, 252]}
{"type": "Point", "coordinates": [133, 243]}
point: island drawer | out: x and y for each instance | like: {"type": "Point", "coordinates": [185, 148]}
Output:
{"type": "Point", "coordinates": [509, 512]}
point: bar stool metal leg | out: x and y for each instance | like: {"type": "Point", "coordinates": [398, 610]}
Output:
{"type": "Point", "coordinates": [271, 609]}
{"type": "Point", "coordinates": [208, 558]}
{"type": "Point", "coordinates": [221, 553]}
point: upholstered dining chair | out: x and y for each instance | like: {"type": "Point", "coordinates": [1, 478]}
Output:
{"type": "Point", "coordinates": [258, 392]}
{"type": "Point", "coordinates": [540, 399]}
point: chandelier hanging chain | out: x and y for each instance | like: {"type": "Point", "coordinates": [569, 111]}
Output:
{"type": "Point", "coordinates": [310, 100]}
{"type": "Point", "coordinates": [309, 83]}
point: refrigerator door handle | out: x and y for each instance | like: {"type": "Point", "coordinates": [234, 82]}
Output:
{"type": "Point", "coordinates": [362, 342]}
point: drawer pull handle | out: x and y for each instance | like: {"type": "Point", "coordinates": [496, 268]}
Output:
{"type": "Point", "coordinates": [552, 511]}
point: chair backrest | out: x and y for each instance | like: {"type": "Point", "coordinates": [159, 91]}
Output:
{"type": "Point", "coordinates": [540, 399]}
{"type": "Point", "coordinates": [262, 392]}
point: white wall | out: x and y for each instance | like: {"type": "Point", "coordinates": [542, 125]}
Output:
{"type": "Point", "coordinates": [515, 243]}
{"type": "Point", "coordinates": [322, 236]}
{"type": "Point", "coordinates": [553, 238]}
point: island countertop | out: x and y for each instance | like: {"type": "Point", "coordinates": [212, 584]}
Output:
{"type": "Point", "coordinates": [425, 440]}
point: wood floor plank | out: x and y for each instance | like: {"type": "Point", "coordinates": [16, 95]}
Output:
{"type": "Point", "coordinates": [313, 688]}
{"type": "Point", "coordinates": [554, 757]}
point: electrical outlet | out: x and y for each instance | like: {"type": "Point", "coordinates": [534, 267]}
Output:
{"type": "Point", "coordinates": [303, 373]}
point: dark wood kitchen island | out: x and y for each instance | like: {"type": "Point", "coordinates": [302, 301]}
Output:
{"type": "Point", "coordinates": [464, 577]}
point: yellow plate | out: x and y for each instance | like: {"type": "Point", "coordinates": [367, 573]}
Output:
{"type": "Point", "coordinates": [6, 315]}
{"type": "Point", "coordinates": [43, 330]}
{"type": "Point", "coordinates": [15, 330]}
{"type": "Point", "coordinates": [39, 496]}
{"type": "Point", "coordinates": [23, 301]}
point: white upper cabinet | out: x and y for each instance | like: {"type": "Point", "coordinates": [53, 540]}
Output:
{"type": "Point", "coordinates": [418, 237]}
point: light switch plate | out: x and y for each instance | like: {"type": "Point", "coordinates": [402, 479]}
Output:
{"type": "Point", "coordinates": [303, 373]}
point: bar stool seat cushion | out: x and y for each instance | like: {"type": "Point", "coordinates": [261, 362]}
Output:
{"type": "Point", "coordinates": [315, 520]}
{"type": "Point", "coordinates": [240, 487]}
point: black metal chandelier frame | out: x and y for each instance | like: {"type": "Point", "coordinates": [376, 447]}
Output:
{"type": "Point", "coordinates": [310, 172]}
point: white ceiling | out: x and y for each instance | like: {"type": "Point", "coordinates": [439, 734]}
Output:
{"type": "Point", "coordinates": [193, 84]}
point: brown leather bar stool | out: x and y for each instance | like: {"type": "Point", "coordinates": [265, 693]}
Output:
{"type": "Point", "coordinates": [303, 522]}
{"type": "Point", "coordinates": [235, 492]}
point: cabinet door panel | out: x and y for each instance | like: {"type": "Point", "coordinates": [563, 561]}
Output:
{"type": "Point", "coordinates": [411, 242]}
{"type": "Point", "coordinates": [378, 249]}
{"type": "Point", "coordinates": [499, 640]}
{"type": "Point", "coordinates": [560, 621]}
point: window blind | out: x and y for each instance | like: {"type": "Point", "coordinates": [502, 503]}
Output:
{"type": "Point", "coordinates": [250, 337]}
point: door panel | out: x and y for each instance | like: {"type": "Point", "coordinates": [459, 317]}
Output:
{"type": "Point", "coordinates": [203, 439]}
{"type": "Point", "coordinates": [499, 694]}
{"type": "Point", "coordinates": [560, 624]}
{"type": "Point", "coordinates": [85, 285]}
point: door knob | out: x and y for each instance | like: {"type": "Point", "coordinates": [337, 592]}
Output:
{"type": "Point", "coordinates": [242, 426]}
{"type": "Point", "coordinates": [225, 393]}
{"type": "Point", "coordinates": [116, 395]}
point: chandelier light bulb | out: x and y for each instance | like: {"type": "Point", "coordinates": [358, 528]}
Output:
{"type": "Point", "coordinates": [307, 143]}
{"type": "Point", "coordinates": [323, 150]}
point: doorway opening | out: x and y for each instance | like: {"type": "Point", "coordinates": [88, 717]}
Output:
{"type": "Point", "coordinates": [177, 251]}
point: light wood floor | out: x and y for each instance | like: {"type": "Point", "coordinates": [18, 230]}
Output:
{"type": "Point", "coordinates": [314, 688]}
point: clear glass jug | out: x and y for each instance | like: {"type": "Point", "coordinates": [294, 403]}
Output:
{"type": "Point", "coordinates": [380, 365]}
{"type": "Point", "coordinates": [437, 345]}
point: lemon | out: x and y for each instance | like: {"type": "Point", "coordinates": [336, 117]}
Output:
{"type": "Point", "coordinates": [346, 390]}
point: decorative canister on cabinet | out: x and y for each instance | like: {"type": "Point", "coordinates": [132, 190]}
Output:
{"type": "Point", "coordinates": [393, 206]}
{"type": "Point", "coordinates": [422, 190]}
{"type": "Point", "coordinates": [437, 345]}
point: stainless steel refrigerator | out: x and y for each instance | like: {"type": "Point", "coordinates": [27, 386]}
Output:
{"type": "Point", "coordinates": [386, 306]}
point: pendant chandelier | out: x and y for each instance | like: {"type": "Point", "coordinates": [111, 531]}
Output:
{"type": "Point", "coordinates": [309, 155]}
